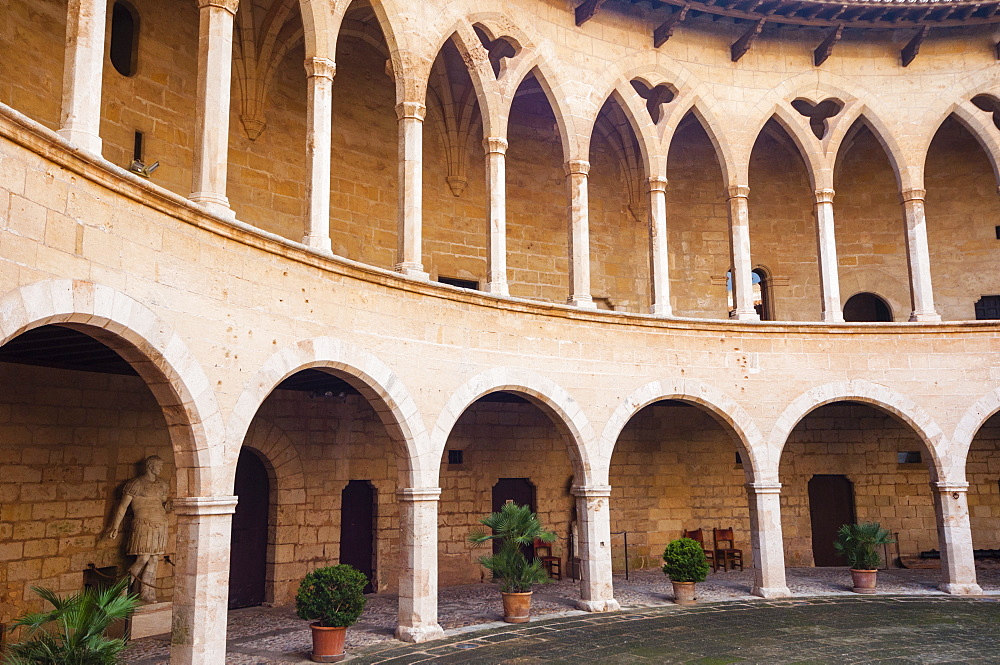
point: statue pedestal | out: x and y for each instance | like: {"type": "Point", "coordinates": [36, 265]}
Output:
{"type": "Point", "coordinates": [150, 619]}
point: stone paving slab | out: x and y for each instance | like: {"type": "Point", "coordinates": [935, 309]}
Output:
{"type": "Point", "coordinates": [881, 629]}
{"type": "Point", "coordinates": [276, 635]}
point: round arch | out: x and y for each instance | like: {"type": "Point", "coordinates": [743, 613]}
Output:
{"type": "Point", "coordinates": [155, 351]}
{"type": "Point", "coordinates": [554, 400]}
{"type": "Point", "coordinates": [717, 403]}
{"type": "Point", "coordinates": [965, 432]}
{"type": "Point", "coordinates": [367, 374]}
{"type": "Point", "coordinates": [859, 390]}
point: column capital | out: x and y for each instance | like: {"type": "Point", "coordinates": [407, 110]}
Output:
{"type": "Point", "coordinates": [495, 144]}
{"type": "Point", "coordinates": [764, 488]}
{"type": "Point", "coordinates": [591, 491]}
{"type": "Point", "coordinates": [824, 195]}
{"type": "Point", "coordinates": [414, 110]}
{"type": "Point", "coordinates": [415, 494]}
{"type": "Point", "coordinates": [320, 68]}
{"type": "Point", "coordinates": [205, 505]}
{"type": "Point", "coordinates": [656, 183]}
{"type": "Point", "coordinates": [738, 191]}
{"type": "Point", "coordinates": [230, 6]}
{"type": "Point", "coordinates": [913, 195]}
{"type": "Point", "coordinates": [577, 167]}
{"type": "Point", "coordinates": [948, 487]}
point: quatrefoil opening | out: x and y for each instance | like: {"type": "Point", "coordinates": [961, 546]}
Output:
{"type": "Point", "coordinates": [655, 96]}
{"type": "Point", "coordinates": [990, 104]}
{"type": "Point", "coordinates": [496, 49]}
{"type": "Point", "coordinates": [818, 114]}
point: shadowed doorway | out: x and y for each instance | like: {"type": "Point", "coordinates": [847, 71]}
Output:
{"type": "Point", "coordinates": [248, 550]}
{"type": "Point", "coordinates": [831, 504]}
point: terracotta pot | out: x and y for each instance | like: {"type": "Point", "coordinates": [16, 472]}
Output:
{"type": "Point", "coordinates": [328, 644]}
{"type": "Point", "coordinates": [684, 593]}
{"type": "Point", "coordinates": [864, 580]}
{"type": "Point", "coordinates": [516, 607]}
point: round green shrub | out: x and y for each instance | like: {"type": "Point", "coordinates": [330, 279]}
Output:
{"type": "Point", "coordinates": [332, 596]}
{"type": "Point", "coordinates": [685, 561]}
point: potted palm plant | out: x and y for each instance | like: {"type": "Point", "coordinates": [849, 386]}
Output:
{"type": "Point", "coordinates": [859, 543]}
{"type": "Point", "coordinates": [685, 564]}
{"type": "Point", "coordinates": [333, 599]}
{"type": "Point", "coordinates": [514, 527]}
{"type": "Point", "coordinates": [74, 630]}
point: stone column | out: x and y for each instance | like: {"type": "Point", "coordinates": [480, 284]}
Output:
{"type": "Point", "coordinates": [579, 234]}
{"type": "Point", "coordinates": [829, 277]}
{"type": "Point", "coordinates": [215, 68]}
{"type": "Point", "coordinates": [766, 542]}
{"type": "Point", "coordinates": [411, 164]}
{"type": "Point", "coordinates": [958, 567]}
{"type": "Point", "coordinates": [80, 119]}
{"type": "Point", "coordinates": [739, 254]}
{"type": "Point", "coordinates": [496, 186]}
{"type": "Point", "coordinates": [418, 508]}
{"type": "Point", "coordinates": [918, 257]}
{"type": "Point", "coordinates": [320, 72]}
{"type": "Point", "coordinates": [659, 265]}
{"type": "Point", "coordinates": [597, 592]}
{"type": "Point", "coordinates": [201, 580]}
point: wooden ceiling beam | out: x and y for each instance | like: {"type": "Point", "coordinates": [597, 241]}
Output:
{"type": "Point", "coordinates": [912, 47]}
{"type": "Point", "coordinates": [824, 50]}
{"type": "Point", "coordinates": [586, 11]}
{"type": "Point", "coordinates": [666, 29]}
{"type": "Point", "coordinates": [743, 44]}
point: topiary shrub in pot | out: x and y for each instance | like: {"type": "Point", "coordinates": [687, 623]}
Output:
{"type": "Point", "coordinates": [514, 527]}
{"type": "Point", "coordinates": [333, 598]}
{"type": "Point", "coordinates": [859, 543]}
{"type": "Point", "coordinates": [685, 564]}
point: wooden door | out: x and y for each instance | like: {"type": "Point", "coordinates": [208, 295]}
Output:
{"type": "Point", "coordinates": [831, 504]}
{"type": "Point", "coordinates": [521, 492]}
{"type": "Point", "coordinates": [248, 551]}
{"type": "Point", "coordinates": [357, 528]}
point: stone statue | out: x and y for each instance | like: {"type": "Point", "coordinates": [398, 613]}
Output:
{"type": "Point", "coordinates": [147, 495]}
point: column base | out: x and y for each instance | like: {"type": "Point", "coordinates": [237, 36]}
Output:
{"type": "Point", "coordinates": [930, 317]}
{"type": "Point", "coordinates": [833, 317]}
{"type": "Point", "coordinates": [419, 633]}
{"type": "Point", "coordinates": [598, 605]}
{"type": "Point", "coordinates": [84, 140]}
{"type": "Point", "coordinates": [498, 289]}
{"type": "Point", "coordinates": [961, 589]}
{"type": "Point", "coordinates": [744, 315]}
{"type": "Point", "coordinates": [583, 302]}
{"type": "Point", "coordinates": [770, 592]}
{"type": "Point", "coordinates": [661, 310]}
{"type": "Point", "coordinates": [412, 270]}
{"type": "Point", "coordinates": [322, 243]}
{"type": "Point", "coordinates": [215, 204]}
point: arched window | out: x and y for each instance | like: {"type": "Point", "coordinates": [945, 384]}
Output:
{"type": "Point", "coordinates": [124, 38]}
{"type": "Point", "coordinates": [761, 283]}
{"type": "Point", "coordinates": [866, 307]}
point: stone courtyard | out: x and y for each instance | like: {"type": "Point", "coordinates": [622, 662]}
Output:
{"type": "Point", "coordinates": [276, 635]}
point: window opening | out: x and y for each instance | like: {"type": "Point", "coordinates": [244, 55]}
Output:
{"type": "Point", "coordinates": [909, 457]}
{"type": "Point", "coordinates": [460, 283]}
{"type": "Point", "coordinates": [124, 38]}
{"type": "Point", "coordinates": [866, 308]}
{"type": "Point", "coordinates": [987, 308]}
{"type": "Point", "coordinates": [454, 457]}
{"type": "Point", "coordinates": [761, 284]}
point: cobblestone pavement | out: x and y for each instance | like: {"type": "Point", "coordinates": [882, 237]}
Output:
{"type": "Point", "coordinates": [260, 636]}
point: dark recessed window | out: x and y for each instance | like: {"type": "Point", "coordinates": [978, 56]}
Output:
{"type": "Point", "coordinates": [909, 457]}
{"type": "Point", "coordinates": [454, 457]}
{"type": "Point", "coordinates": [987, 308]}
{"type": "Point", "coordinates": [739, 458]}
{"type": "Point", "coordinates": [460, 283]}
{"type": "Point", "coordinates": [124, 38]}
{"type": "Point", "coordinates": [997, 229]}
{"type": "Point", "coordinates": [866, 308]}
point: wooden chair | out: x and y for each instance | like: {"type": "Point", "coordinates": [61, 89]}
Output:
{"type": "Point", "coordinates": [726, 552]}
{"type": "Point", "coordinates": [698, 536]}
{"type": "Point", "coordinates": [553, 564]}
